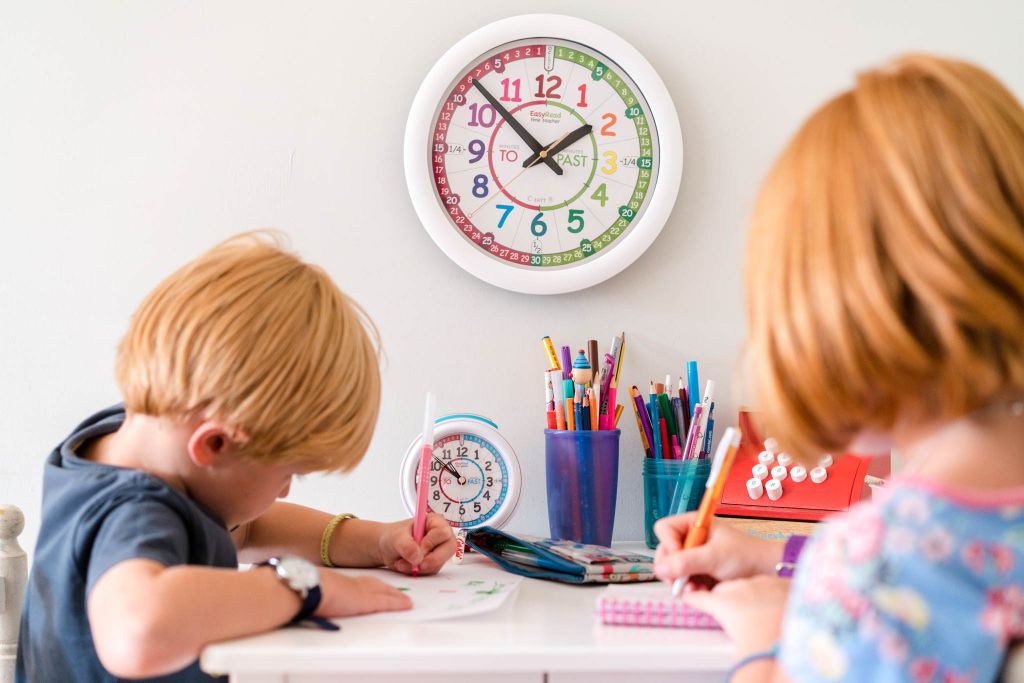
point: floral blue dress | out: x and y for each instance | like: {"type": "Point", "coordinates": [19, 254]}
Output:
{"type": "Point", "coordinates": [924, 583]}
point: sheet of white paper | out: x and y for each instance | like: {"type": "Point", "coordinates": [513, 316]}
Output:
{"type": "Point", "coordinates": [457, 591]}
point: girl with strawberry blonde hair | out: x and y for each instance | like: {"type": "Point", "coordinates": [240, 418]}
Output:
{"type": "Point", "coordinates": [885, 287]}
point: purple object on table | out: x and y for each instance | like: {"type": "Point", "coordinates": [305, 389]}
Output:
{"type": "Point", "coordinates": [790, 554]}
{"type": "Point", "coordinates": [582, 482]}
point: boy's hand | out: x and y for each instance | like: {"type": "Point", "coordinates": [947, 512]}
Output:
{"type": "Point", "coordinates": [749, 610]}
{"type": "Point", "coordinates": [346, 596]}
{"type": "Point", "coordinates": [728, 553]}
{"type": "Point", "coordinates": [400, 552]}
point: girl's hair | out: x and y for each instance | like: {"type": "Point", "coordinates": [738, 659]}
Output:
{"type": "Point", "coordinates": [251, 335]}
{"type": "Point", "coordinates": [885, 262]}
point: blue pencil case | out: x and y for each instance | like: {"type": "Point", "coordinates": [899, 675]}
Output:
{"type": "Point", "coordinates": [556, 560]}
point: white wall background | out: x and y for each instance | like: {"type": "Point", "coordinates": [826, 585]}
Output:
{"type": "Point", "coordinates": [133, 135]}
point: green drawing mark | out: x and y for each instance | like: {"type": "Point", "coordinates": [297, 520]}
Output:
{"type": "Point", "coordinates": [491, 591]}
{"type": "Point", "coordinates": [402, 588]}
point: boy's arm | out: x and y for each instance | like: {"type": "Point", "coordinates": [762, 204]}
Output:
{"type": "Point", "coordinates": [288, 529]}
{"type": "Point", "coordinates": [143, 625]}
{"type": "Point", "coordinates": [148, 620]}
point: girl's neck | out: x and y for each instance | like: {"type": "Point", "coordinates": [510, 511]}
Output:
{"type": "Point", "coordinates": [984, 450]}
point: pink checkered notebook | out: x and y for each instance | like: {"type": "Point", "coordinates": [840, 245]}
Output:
{"type": "Point", "coordinates": [633, 606]}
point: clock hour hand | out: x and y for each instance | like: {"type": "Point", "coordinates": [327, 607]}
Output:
{"type": "Point", "coordinates": [563, 142]}
{"type": "Point", "coordinates": [448, 466]}
{"type": "Point", "coordinates": [530, 141]}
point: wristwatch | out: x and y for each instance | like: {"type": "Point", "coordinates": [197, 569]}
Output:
{"type": "Point", "coordinates": [302, 577]}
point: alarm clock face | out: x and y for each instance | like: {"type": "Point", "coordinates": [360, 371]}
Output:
{"type": "Point", "coordinates": [468, 480]}
{"type": "Point", "coordinates": [544, 155]}
{"type": "Point", "coordinates": [474, 474]}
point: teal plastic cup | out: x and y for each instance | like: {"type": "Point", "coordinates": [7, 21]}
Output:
{"type": "Point", "coordinates": [671, 487]}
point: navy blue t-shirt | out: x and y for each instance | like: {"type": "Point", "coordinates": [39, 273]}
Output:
{"type": "Point", "coordinates": [94, 517]}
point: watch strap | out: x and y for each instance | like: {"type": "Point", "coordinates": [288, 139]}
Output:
{"type": "Point", "coordinates": [790, 555]}
{"type": "Point", "coordinates": [309, 604]}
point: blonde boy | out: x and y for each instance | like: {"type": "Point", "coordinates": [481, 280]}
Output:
{"type": "Point", "coordinates": [240, 370]}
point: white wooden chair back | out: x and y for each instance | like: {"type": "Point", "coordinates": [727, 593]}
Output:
{"type": "Point", "coordinates": [13, 576]}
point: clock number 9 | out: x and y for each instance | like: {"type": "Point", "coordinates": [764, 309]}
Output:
{"type": "Point", "coordinates": [477, 148]}
{"type": "Point", "coordinates": [538, 227]}
{"type": "Point", "coordinates": [480, 186]}
{"type": "Point", "coordinates": [574, 216]}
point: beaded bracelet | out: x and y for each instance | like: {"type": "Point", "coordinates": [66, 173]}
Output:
{"type": "Point", "coordinates": [325, 540]}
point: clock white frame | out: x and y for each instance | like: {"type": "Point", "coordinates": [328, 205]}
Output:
{"type": "Point", "coordinates": [465, 423]}
{"type": "Point", "coordinates": [435, 219]}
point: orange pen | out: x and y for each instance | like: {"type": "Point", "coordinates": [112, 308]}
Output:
{"type": "Point", "coordinates": [720, 466]}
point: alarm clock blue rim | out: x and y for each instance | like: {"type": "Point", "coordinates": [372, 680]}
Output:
{"type": "Point", "coordinates": [465, 416]}
{"type": "Point", "coordinates": [433, 215]}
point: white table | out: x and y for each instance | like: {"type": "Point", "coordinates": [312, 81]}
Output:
{"type": "Point", "coordinates": [546, 634]}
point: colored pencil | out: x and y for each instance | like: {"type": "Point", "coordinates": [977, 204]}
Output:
{"type": "Point", "coordinates": [720, 467]}
{"type": "Point", "coordinates": [618, 414]}
{"type": "Point", "coordinates": [652, 406]}
{"type": "Point", "coordinates": [640, 427]}
{"type": "Point", "coordinates": [566, 362]}
{"type": "Point", "coordinates": [549, 348]}
{"type": "Point", "coordinates": [578, 409]}
{"type": "Point", "coordinates": [549, 406]}
{"type": "Point", "coordinates": [645, 418]}
{"type": "Point", "coordinates": [419, 522]}
{"type": "Point", "coordinates": [586, 410]}
{"type": "Point", "coordinates": [693, 384]}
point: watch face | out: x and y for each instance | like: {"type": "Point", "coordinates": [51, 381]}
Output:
{"type": "Point", "coordinates": [300, 573]}
{"type": "Point", "coordinates": [600, 147]}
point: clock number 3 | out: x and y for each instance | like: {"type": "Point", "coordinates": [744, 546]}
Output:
{"type": "Point", "coordinates": [611, 160]}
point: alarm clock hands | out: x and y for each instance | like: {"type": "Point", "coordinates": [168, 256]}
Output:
{"type": "Point", "coordinates": [448, 466]}
{"type": "Point", "coordinates": [558, 145]}
{"type": "Point", "coordinates": [530, 141]}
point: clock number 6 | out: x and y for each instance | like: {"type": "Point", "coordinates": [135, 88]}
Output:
{"type": "Point", "coordinates": [576, 216]}
{"type": "Point", "coordinates": [538, 227]}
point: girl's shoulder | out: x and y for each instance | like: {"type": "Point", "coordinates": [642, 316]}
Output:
{"type": "Point", "coordinates": [920, 577]}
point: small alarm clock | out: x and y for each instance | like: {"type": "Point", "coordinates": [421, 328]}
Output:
{"type": "Point", "coordinates": [543, 153]}
{"type": "Point", "coordinates": [475, 478]}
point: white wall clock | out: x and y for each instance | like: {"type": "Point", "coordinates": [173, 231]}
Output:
{"type": "Point", "coordinates": [543, 153]}
{"type": "Point", "coordinates": [475, 478]}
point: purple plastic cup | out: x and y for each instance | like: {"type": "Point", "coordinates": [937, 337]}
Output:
{"type": "Point", "coordinates": [582, 482]}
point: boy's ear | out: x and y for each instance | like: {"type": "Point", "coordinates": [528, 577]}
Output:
{"type": "Point", "coordinates": [210, 443]}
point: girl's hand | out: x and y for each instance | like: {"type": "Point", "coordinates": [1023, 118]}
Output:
{"type": "Point", "coordinates": [401, 553]}
{"type": "Point", "coordinates": [346, 596]}
{"type": "Point", "coordinates": [728, 553]}
{"type": "Point", "coordinates": [749, 610]}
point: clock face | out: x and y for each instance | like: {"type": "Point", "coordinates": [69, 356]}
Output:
{"type": "Point", "coordinates": [543, 154]}
{"type": "Point", "coordinates": [469, 480]}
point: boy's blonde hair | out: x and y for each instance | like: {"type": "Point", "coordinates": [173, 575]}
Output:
{"type": "Point", "coordinates": [249, 334]}
{"type": "Point", "coordinates": [885, 263]}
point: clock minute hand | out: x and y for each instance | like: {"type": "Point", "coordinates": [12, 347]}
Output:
{"type": "Point", "coordinates": [530, 141]}
{"type": "Point", "coordinates": [560, 144]}
{"type": "Point", "coordinates": [448, 466]}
